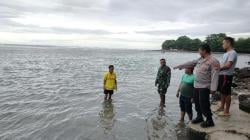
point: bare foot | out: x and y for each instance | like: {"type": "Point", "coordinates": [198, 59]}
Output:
{"type": "Point", "coordinates": [223, 114]}
{"type": "Point", "coordinates": [181, 120]}
{"type": "Point", "coordinates": [162, 105]}
{"type": "Point", "coordinates": [219, 109]}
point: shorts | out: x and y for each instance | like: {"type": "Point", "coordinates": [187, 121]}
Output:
{"type": "Point", "coordinates": [110, 92]}
{"type": "Point", "coordinates": [186, 104]}
{"type": "Point", "coordinates": [162, 91]}
{"type": "Point", "coordinates": [225, 84]}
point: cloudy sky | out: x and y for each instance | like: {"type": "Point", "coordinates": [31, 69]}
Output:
{"type": "Point", "coordinates": [119, 23]}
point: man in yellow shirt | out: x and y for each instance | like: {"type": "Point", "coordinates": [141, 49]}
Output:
{"type": "Point", "coordinates": [109, 83]}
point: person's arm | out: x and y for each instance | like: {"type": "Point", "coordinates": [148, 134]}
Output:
{"type": "Point", "coordinates": [214, 75]}
{"type": "Point", "coordinates": [115, 83]}
{"type": "Point", "coordinates": [178, 91]}
{"type": "Point", "coordinates": [168, 76]}
{"type": "Point", "coordinates": [104, 80]}
{"type": "Point", "coordinates": [190, 64]}
{"type": "Point", "coordinates": [229, 63]}
{"type": "Point", "coordinates": [179, 88]}
{"type": "Point", "coordinates": [192, 96]}
{"type": "Point", "coordinates": [157, 78]}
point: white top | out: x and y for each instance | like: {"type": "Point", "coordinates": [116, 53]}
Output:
{"type": "Point", "coordinates": [229, 56]}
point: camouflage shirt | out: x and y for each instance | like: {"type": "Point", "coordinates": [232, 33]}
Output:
{"type": "Point", "coordinates": [163, 77]}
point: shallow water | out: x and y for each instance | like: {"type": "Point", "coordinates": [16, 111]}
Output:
{"type": "Point", "coordinates": [53, 93]}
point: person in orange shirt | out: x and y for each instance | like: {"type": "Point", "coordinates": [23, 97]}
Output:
{"type": "Point", "coordinates": [109, 83]}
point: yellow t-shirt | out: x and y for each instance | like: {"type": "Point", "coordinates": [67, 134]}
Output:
{"type": "Point", "coordinates": [110, 80]}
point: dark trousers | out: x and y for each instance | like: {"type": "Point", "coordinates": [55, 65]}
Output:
{"type": "Point", "coordinates": [202, 102]}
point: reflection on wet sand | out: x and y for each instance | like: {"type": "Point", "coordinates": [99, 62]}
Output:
{"type": "Point", "coordinates": [158, 126]}
{"type": "Point", "coordinates": [107, 119]}
{"type": "Point", "coordinates": [181, 131]}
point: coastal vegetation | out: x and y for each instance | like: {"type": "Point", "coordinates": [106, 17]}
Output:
{"type": "Point", "coordinates": [214, 40]}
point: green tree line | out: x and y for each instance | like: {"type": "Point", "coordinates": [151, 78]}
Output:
{"type": "Point", "coordinates": [214, 40]}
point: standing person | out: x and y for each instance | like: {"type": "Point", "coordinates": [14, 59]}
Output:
{"type": "Point", "coordinates": [109, 83]}
{"type": "Point", "coordinates": [186, 89]}
{"type": "Point", "coordinates": [226, 75]}
{"type": "Point", "coordinates": [163, 80]}
{"type": "Point", "coordinates": [206, 82]}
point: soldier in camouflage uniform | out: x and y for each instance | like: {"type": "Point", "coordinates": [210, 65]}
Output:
{"type": "Point", "coordinates": [163, 80]}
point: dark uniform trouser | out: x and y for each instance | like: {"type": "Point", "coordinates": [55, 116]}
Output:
{"type": "Point", "coordinates": [202, 102]}
{"type": "Point", "coordinates": [162, 93]}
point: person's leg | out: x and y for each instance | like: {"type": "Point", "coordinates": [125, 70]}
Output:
{"type": "Point", "coordinates": [221, 90]}
{"type": "Point", "coordinates": [223, 100]}
{"type": "Point", "coordinates": [182, 116]}
{"type": "Point", "coordinates": [110, 94]}
{"type": "Point", "coordinates": [205, 103]}
{"type": "Point", "coordinates": [199, 117]}
{"type": "Point", "coordinates": [182, 107]}
{"type": "Point", "coordinates": [190, 116]}
{"type": "Point", "coordinates": [205, 108]}
{"type": "Point", "coordinates": [188, 108]}
{"type": "Point", "coordinates": [228, 94]}
{"type": "Point", "coordinates": [105, 95]}
{"type": "Point", "coordinates": [162, 93]}
{"type": "Point", "coordinates": [162, 97]}
{"type": "Point", "coordinates": [228, 103]}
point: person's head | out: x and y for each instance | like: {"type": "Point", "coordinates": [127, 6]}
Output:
{"type": "Point", "coordinates": [189, 70]}
{"type": "Point", "coordinates": [204, 50]}
{"type": "Point", "coordinates": [228, 43]}
{"type": "Point", "coordinates": [162, 62]}
{"type": "Point", "coordinates": [111, 68]}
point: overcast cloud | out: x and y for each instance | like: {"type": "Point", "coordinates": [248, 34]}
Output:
{"type": "Point", "coordinates": [119, 23]}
